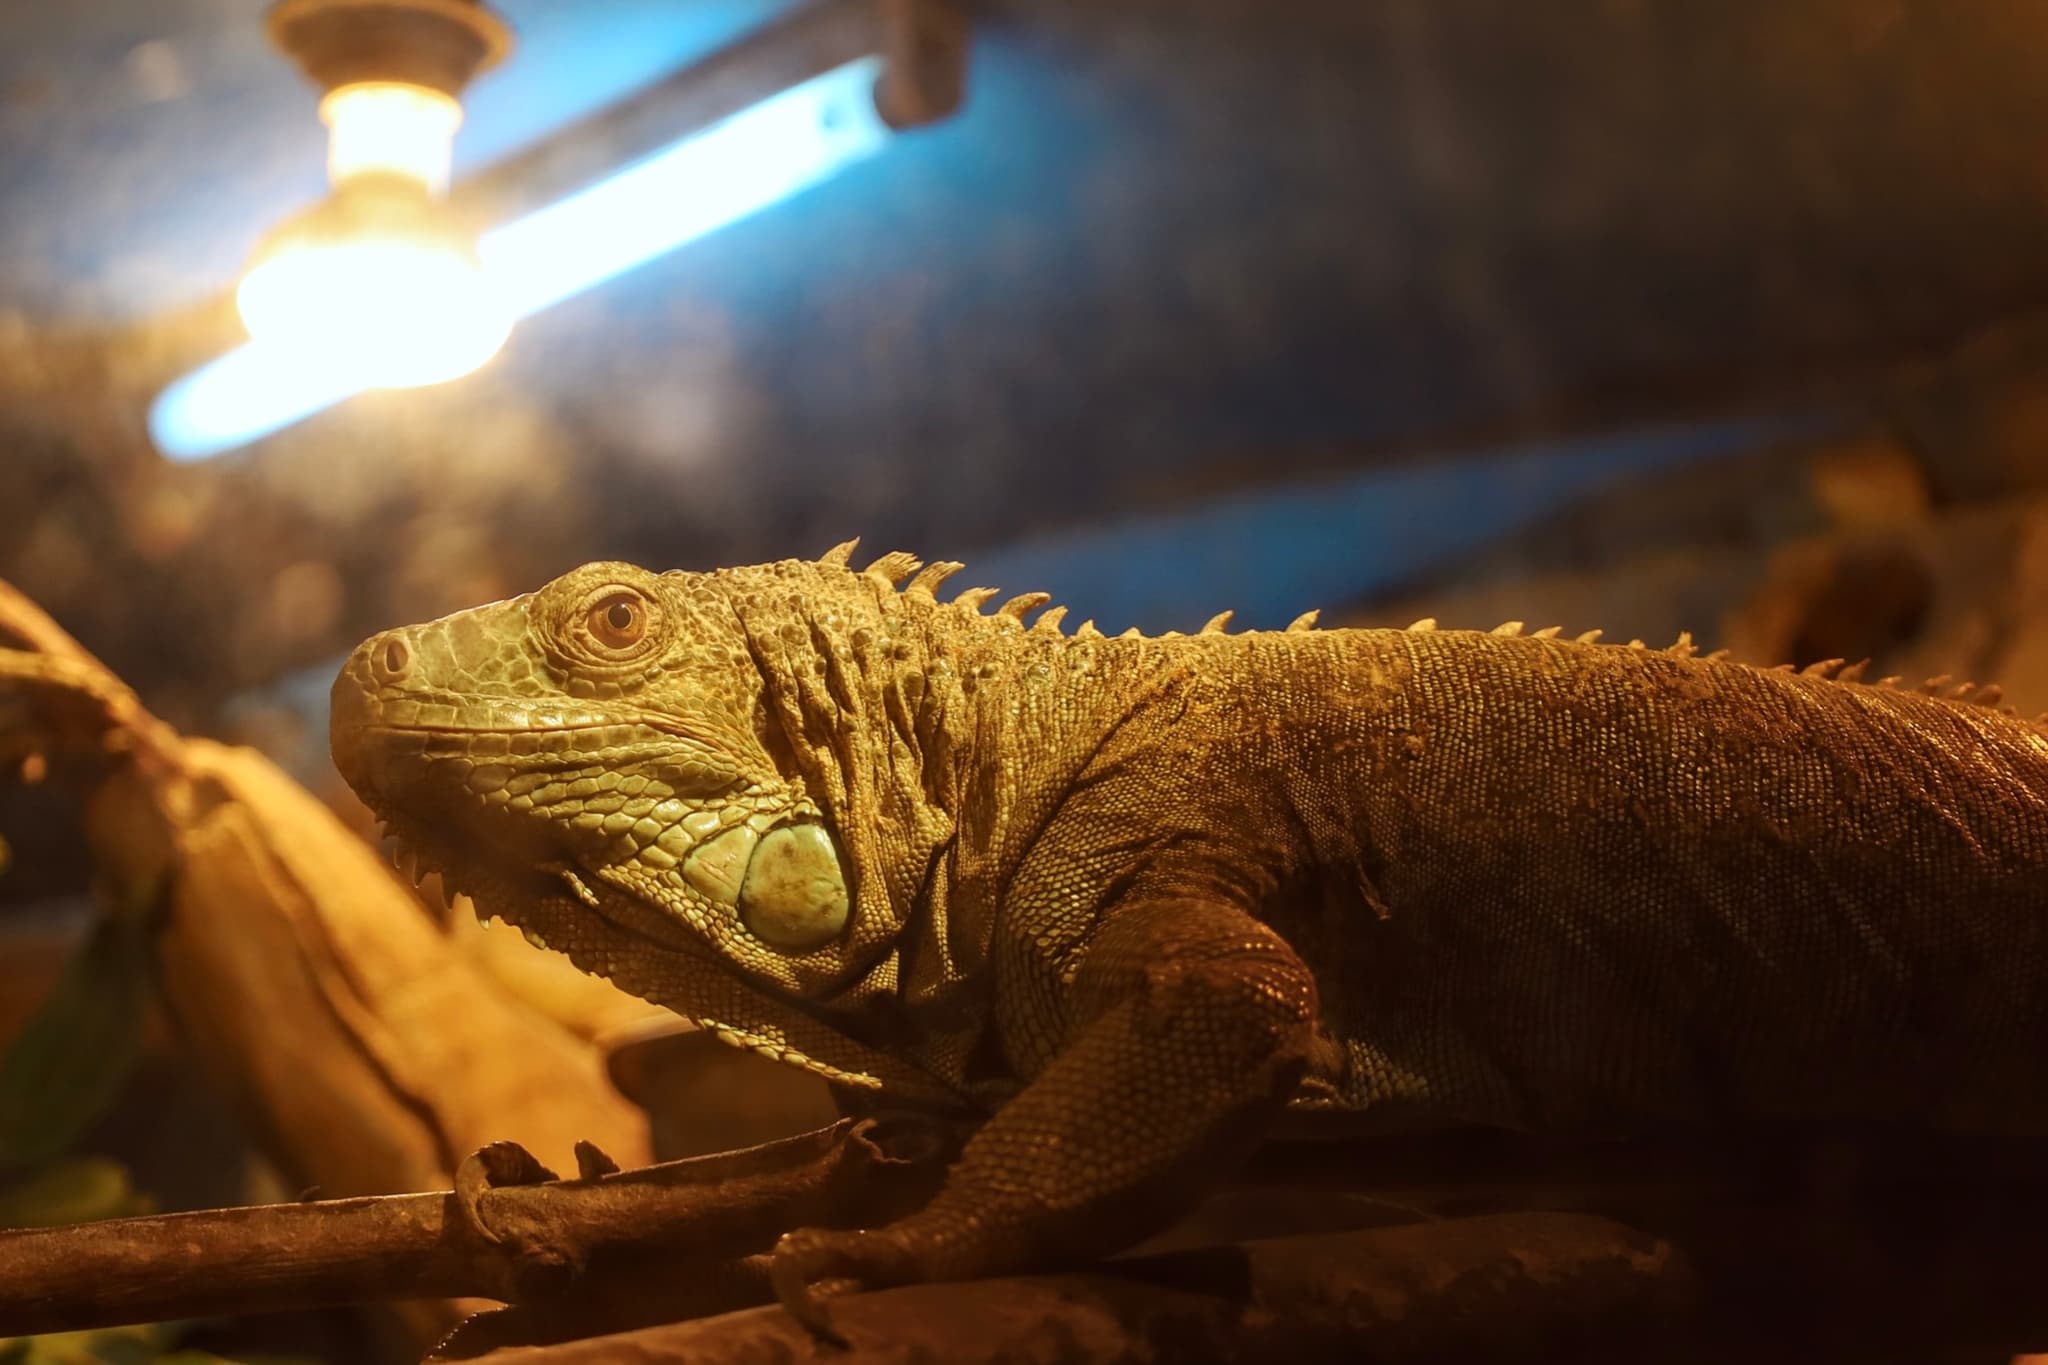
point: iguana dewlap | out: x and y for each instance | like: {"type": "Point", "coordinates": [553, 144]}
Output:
{"type": "Point", "coordinates": [1135, 896]}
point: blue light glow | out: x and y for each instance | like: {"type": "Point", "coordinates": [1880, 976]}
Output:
{"type": "Point", "coordinates": [247, 393]}
{"type": "Point", "coordinates": [1274, 553]}
{"type": "Point", "coordinates": [753, 159]}
{"type": "Point", "coordinates": [734, 168]}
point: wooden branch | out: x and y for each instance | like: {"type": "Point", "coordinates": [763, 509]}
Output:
{"type": "Point", "coordinates": [1512, 1287]}
{"type": "Point", "coordinates": [543, 1241]}
{"type": "Point", "coordinates": [81, 704]}
{"type": "Point", "coordinates": [28, 627]}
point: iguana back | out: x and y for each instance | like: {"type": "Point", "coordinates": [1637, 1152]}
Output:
{"type": "Point", "coordinates": [1561, 885]}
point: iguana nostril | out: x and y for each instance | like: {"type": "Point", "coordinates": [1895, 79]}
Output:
{"type": "Point", "coordinates": [394, 656]}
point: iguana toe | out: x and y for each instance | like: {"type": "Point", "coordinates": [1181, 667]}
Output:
{"type": "Point", "coordinates": [812, 1266]}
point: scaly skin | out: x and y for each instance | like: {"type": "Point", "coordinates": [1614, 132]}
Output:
{"type": "Point", "coordinates": [1134, 898]}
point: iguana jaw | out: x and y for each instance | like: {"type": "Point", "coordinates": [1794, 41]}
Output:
{"type": "Point", "coordinates": [606, 930]}
{"type": "Point", "coordinates": [668, 869]}
{"type": "Point", "coordinates": [534, 896]}
{"type": "Point", "coordinates": [415, 781]}
{"type": "Point", "coordinates": [643, 953]}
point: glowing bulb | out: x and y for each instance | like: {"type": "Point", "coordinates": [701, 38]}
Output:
{"type": "Point", "coordinates": [393, 128]}
{"type": "Point", "coordinates": [376, 283]}
{"type": "Point", "coordinates": [390, 313]}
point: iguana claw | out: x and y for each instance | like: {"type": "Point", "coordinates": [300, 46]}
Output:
{"type": "Point", "coordinates": [488, 1168]}
{"type": "Point", "coordinates": [592, 1162]}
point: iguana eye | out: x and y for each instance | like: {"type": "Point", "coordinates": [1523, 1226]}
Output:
{"type": "Point", "coordinates": [619, 621]}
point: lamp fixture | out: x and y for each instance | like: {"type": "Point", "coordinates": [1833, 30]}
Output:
{"type": "Point", "coordinates": [716, 176]}
{"type": "Point", "coordinates": [379, 281]}
{"type": "Point", "coordinates": [388, 158]}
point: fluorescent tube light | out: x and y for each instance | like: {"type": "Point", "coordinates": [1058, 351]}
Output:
{"type": "Point", "coordinates": [736, 167]}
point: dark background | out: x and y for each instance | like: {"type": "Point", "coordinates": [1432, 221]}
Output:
{"type": "Point", "coordinates": [1171, 263]}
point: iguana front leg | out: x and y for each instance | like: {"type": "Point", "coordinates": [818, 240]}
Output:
{"type": "Point", "coordinates": [1190, 1030]}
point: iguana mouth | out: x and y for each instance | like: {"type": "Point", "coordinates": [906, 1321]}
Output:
{"type": "Point", "coordinates": [511, 723]}
{"type": "Point", "coordinates": [528, 896]}
{"type": "Point", "coordinates": [511, 888]}
{"type": "Point", "coordinates": [455, 853]}
{"type": "Point", "coordinates": [674, 860]}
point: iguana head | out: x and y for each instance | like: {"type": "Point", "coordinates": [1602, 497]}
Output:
{"type": "Point", "coordinates": [636, 749]}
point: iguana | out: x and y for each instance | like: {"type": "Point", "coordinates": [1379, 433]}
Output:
{"type": "Point", "coordinates": [1136, 899]}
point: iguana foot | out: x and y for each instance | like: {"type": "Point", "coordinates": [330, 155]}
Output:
{"type": "Point", "coordinates": [592, 1161]}
{"type": "Point", "coordinates": [489, 1168]}
{"type": "Point", "coordinates": [813, 1266]}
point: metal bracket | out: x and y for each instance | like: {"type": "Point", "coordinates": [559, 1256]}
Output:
{"type": "Point", "coordinates": [440, 44]}
{"type": "Point", "coordinates": [924, 46]}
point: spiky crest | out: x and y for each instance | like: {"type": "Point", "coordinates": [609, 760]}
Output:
{"type": "Point", "coordinates": [1024, 602]}
{"type": "Point", "coordinates": [889, 571]}
{"type": "Point", "coordinates": [928, 579]}
{"type": "Point", "coordinates": [895, 566]}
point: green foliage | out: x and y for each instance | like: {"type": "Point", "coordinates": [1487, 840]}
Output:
{"type": "Point", "coordinates": [68, 1062]}
{"type": "Point", "coordinates": [57, 1076]}
{"type": "Point", "coordinates": [142, 1345]}
{"type": "Point", "coordinates": [146, 1344]}
{"type": "Point", "coordinates": [79, 1190]}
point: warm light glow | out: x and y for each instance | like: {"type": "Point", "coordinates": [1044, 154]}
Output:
{"type": "Point", "coordinates": [379, 283]}
{"type": "Point", "coordinates": [387, 312]}
{"type": "Point", "coordinates": [391, 127]}
{"type": "Point", "coordinates": [734, 168]}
